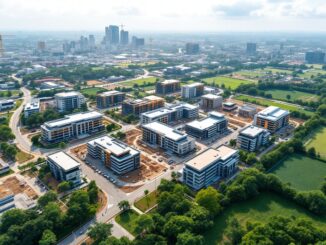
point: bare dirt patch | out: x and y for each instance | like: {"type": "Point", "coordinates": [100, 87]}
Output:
{"type": "Point", "coordinates": [129, 189]}
{"type": "Point", "coordinates": [79, 151]}
{"type": "Point", "coordinates": [15, 186]}
{"type": "Point", "coordinates": [94, 82]}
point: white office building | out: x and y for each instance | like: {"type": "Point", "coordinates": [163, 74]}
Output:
{"type": "Point", "coordinates": [6, 104]}
{"type": "Point", "coordinates": [64, 167]}
{"type": "Point", "coordinates": [193, 90]}
{"type": "Point", "coordinates": [170, 113]}
{"type": "Point", "coordinates": [31, 108]}
{"type": "Point", "coordinates": [209, 166]}
{"type": "Point", "coordinates": [69, 101]}
{"type": "Point", "coordinates": [252, 138]}
{"type": "Point", "coordinates": [167, 138]}
{"type": "Point", "coordinates": [116, 155]}
{"type": "Point", "coordinates": [214, 124]}
{"type": "Point", "coordinates": [272, 118]}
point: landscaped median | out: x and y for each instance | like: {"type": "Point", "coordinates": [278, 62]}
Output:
{"type": "Point", "coordinates": [147, 202]}
{"type": "Point", "coordinates": [127, 219]}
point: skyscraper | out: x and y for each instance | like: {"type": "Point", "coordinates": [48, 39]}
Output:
{"type": "Point", "coordinates": [137, 42]}
{"type": "Point", "coordinates": [1, 47]}
{"type": "Point", "coordinates": [315, 57]}
{"type": "Point", "coordinates": [124, 37]}
{"type": "Point", "coordinates": [251, 48]}
{"type": "Point", "coordinates": [192, 48]}
{"type": "Point", "coordinates": [112, 35]}
{"type": "Point", "coordinates": [91, 41]}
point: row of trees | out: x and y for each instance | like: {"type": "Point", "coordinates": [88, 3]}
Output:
{"type": "Point", "coordinates": [48, 222]}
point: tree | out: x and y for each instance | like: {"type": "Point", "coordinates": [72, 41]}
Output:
{"type": "Point", "coordinates": [323, 187]}
{"type": "Point", "coordinates": [201, 217]}
{"type": "Point", "coordinates": [187, 238]}
{"type": "Point", "coordinates": [92, 191]}
{"type": "Point", "coordinates": [124, 205]}
{"type": "Point", "coordinates": [48, 238]}
{"type": "Point", "coordinates": [100, 232]}
{"type": "Point", "coordinates": [210, 199]}
{"type": "Point", "coordinates": [12, 217]}
{"type": "Point", "coordinates": [5, 133]}
{"type": "Point", "coordinates": [146, 197]}
{"type": "Point", "coordinates": [288, 96]}
{"type": "Point", "coordinates": [312, 152]}
{"type": "Point", "coordinates": [64, 186]}
{"type": "Point", "coordinates": [35, 139]}
{"type": "Point", "coordinates": [177, 224]}
{"type": "Point", "coordinates": [50, 196]}
{"type": "Point", "coordinates": [144, 224]}
{"type": "Point", "coordinates": [251, 158]}
{"type": "Point", "coordinates": [62, 145]}
{"type": "Point", "coordinates": [233, 142]}
{"type": "Point", "coordinates": [234, 231]}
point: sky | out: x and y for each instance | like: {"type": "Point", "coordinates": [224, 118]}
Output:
{"type": "Point", "coordinates": [164, 15]}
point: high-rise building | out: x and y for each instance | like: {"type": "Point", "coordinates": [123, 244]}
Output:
{"type": "Point", "coordinates": [192, 48]}
{"type": "Point", "coordinates": [41, 46]}
{"type": "Point", "coordinates": [315, 57]}
{"type": "Point", "coordinates": [252, 138]}
{"type": "Point", "coordinates": [112, 35]}
{"type": "Point", "coordinates": [138, 106]}
{"type": "Point", "coordinates": [193, 90]}
{"type": "Point", "coordinates": [251, 48]}
{"type": "Point", "coordinates": [68, 101]}
{"type": "Point", "coordinates": [272, 118]}
{"type": "Point", "coordinates": [137, 42]}
{"type": "Point", "coordinates": [109, 98]}
{"type": "Point", "coordinates": [1, 47]}
{"type": "Point", "coordinates": [91, 41]}
{"type": "Point", "coordinates": [124, 37]}
{"type": "Point", "coordinates": [211, 102]}
{"type": "Point", "coordinates": [167, 87]}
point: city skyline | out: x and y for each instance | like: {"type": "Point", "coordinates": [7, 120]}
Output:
{"type": "Point", "coordinates": [141, 15]}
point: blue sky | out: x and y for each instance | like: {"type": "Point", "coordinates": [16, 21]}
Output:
{"type": "Point", "coordinates": [167, 15]}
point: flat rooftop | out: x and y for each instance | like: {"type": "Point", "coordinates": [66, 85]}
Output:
{"type": "Point", "coordinates": [204, 159]}
{"type": "Point", "coordinates": [207, 122]}
{"type": "Point", "coordinates": [273, 113]}
{"type": "Point", "coordinates": [68, 94]}
{"type": "Point", "coordinates": [170, 81]}
{"type": "Point", "coordinates": [65, 161]}
{"type": "Point", "coordinates": [248, 108]}
{"type": "Point", "coordinates": [252, 131]}
{"type": "Point", "coordinates": [165, 130]}
{"type": "Point", "coordinates": [32, 106]}
{"type": "Point", "coordinates": [225, 152]}
{"type": "Point", "coordinates": [114, 146]}
{"type": "Point", "coordinates": [169, 109]}
{"type": "Point", "coordinates": [211, 96]}
{"type": "Point", "coordinates": [193, 85]}
{"type": "Point", "coordinates": [145, 99]}
{"type": "Point", "coordinates": [229, 104]}
{"type": "Point", "coordinates": [108, 93]}
{"type": "Point", "coordinates": [68, 119]}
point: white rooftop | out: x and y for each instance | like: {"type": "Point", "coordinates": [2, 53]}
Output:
{"type": "Point", "coordinates": [207, 122]}
{"type": "Point", "coordinates": [165, 130]}
{"type": "Point", "coordinates": [211, 96]}
{"type": "Point", "coordinates": [273, 113]}
{"type": "Point", "coordinates": [108, 93]}
{"type": "Point", "coordinates": [193, 85]}
{"type": "Point", "coordinates": [32, 106]}
{"type": "Point", "coordinates": [252, 131]}
{"type": "Point", "coordinates": [65, 161]}
{"type": "Point", "coordinates": [114, 146]}
{"type": "Point", "coordinates": [68, 94]}
{"type": "Point", "coordinates": [73, 118]}
{"type": "Point", "coordinates": [166, 110]}
{"type": "Point", "coordinates": [170, 81]}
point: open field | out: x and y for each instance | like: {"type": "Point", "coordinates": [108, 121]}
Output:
{"type": "Point", "coordinates": [303, 173]}
{"type": "Point", "coordinates": [229, 82]}
{"type": "Point", "coordinates": [267, 102]}
{"type": "Point", "coordinates": [92, 91]}
{"type": "Point", "coordinates": [22, 156]}
{"type": "Point", "coordinates": [250, 74]}
{"type": "Point", "coordinates": [295, 95]}
{"type": "Point", "coordinates": [276, 70]}
{"type": "Point", "coordinates": [94, 82]}
{"type": "Point", "coordinates": [318, 140]}
{"type": "Point", "coordinates": [139, 81]}
{"type": "Point", "coordinates": [4, 93]}
{"type": "Point", "coordinates": [127, 220]}
{"type": "Point", "coordinates": [258, 209]}
{"type": "Point", "coordinates": [312, 73]}
{"type": "Point", "coordinates": [147, 202]}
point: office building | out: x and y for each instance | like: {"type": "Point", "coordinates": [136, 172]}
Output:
{"type": "Point", "coordinates": [210, 102]}
{"type": "Point", "coordinates": [31, 108]}
{"type": "Point", "coordinates": [247, 111]}
{"type": "Point", "coordinates": [315, 57]}
{"type": "Point", "coordinates": [229, 106]}
{"type": "Point", "coordinates": [6, 104]}
{"type": "Point", "coordinates": [138, 106]}
{"type": "Point", "coordinates": [109, 98]}
{"type": "Point", "coordinates": [41, 46]}
{"type": "Point", "coordinates": [137, 42]}
{"type": "Point", "coordinates": [167, 87]}
{"type": "Point", "coordinates": [192, 48]}
{"type": "Point", "coordinates": [91, 42]}
{"type": "Point", "coordinates": [209, 166]}
{"type": "Point", "coordinates": [72, 126]}
{"type": "Point", "coordinates": [272, 118]}
{"type": "Point", "coordinates": [252, 138]}
{"type": "Point", "coordinates": [69, 101]}
{"type": "Point", "coordinates": [124, 37]}
{"type": "Point", "coordinates": [170, 113]}
{"type": "Point", "coordinates": [214, 124]}
{"type": "Point", "coordinates": [112, 35]}
{"type": "Point", "coordinates": [114, 154]}
{"type": "Point", "coordinates": [167, 138]}
{"type": "Point", "coordinates": [193, 90]}
{"type": "Point", "coordinates": [64, 168]}
{"type": "Point", "coordinates": [251, 48]}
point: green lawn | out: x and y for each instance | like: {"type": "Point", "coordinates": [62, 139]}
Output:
{"type": "Point", "coordinates": [267, 102]}
{"type": "Point", "coordinates": [92, 91]}
{"type": "Point", "coordinates": [138, 81]}
{"type": "Point", "coordinates": [147, 202]}
{"type": "Point", "coordinates": [127, 220]}
{"type": "Point", "coordinates": [229, 82]}
{"type": "Point", "coordinates": [295, 95]}
{"type": "Point", "coordinates": [312, 73]}
{"type": "Point", "coordinates": [318, 140]}
{"type": "Point", "coordinates": [251, 74]}
{"type": "Point", "coordinates": [22, 156]}
{"type": "Point", "coordinates": [303, 173]}
{"type": "Point", "coordinates": [258, 209]}
{"type": "Point", "coordinates": [276, 70]}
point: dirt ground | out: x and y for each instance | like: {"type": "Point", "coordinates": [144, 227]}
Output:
{"type": "Point", "coordinates": [79, 151]}
{"type": "Point", "coordinates": [15, 186]}
{"type": "Point", "coordinates": [129, 189]}
{"type": "Point", "coordinates": [94, 82]}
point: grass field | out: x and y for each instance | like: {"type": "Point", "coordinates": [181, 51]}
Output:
{"type": "Point", "coordinates": [127, 220]}
{"type": "Point", "coordinates": [295, 95]}
{"type": "Point", "coordinates": [92, 91]}
{"type": "Point", "coordinates": [303, 173]}
{"type": "Point", "coordinates": [138, 81]}
{"type": "Point", "coordinates": [258, 209]}
{"type": "Point", "coordinates": [146, 203]}
{"type": "Point", "coordinates": [251, 74]}
{"type": "Point", "coordinates": [275, 70]}
{"type": "Point", "coordinates": [267, 102]}
{"type": "Point", "coordinates": [22, 156]}
{"type": "Point", "coordinates": [318, 140]}
{"type": "Point", "coordinates": [229, 82]}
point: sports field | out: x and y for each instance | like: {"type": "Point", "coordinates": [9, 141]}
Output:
{"type": "Point", "coordinates": [92, 91]}
{"type": "Point", "coordinates": [258, 209]}
{"type": "Point", "coordinates": [229, 82]}
{"type": "Point", "coordinates": [294, 95]}
{"type": "Point", "coordinates": [267, 102]}
{"type": "Point", "coordinates": [318, 141]}
{"type": "Point", "coordinates": [303, 173]}
{"type": "Point", "coordinates": [140, 81]}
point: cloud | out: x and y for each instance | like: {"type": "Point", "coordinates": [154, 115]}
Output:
{"type": "Point", "coordinates": [127, 11]}
{"type": "Point", "coordinates": [237, 9]}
